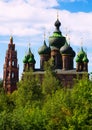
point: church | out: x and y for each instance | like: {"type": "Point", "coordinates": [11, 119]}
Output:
{"type": "Point", "coordinates": [59, 51]}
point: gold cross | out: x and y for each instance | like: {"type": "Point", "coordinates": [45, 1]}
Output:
{"type": "Point", "coordinates": [29, 45]}
{"type": "Point", "coordinates": [57, 14]}
{"type": "Point", "coordinates": [44, 35]}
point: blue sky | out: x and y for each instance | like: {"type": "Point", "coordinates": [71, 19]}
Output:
{"type": "Point", "coordinates": [27, 20]}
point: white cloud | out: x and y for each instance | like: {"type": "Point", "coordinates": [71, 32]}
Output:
{"type": "Point", "coordinates": [30, 18]}
{"type": "Point", "coordinates": [79, 24]}
{"type": "Point", "coordinates": [24, 17]}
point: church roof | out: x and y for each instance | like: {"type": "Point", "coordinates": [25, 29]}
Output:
{"type": "Point", "coordinates": [44, 49]}
{"type": "Point", "coordinates": [67, 49]}
{"type": "Point", "coordinates": [82, 56]}
{"type": "Point", "coordinates": [57, 40]}
{"type": "Point", "coordinates": [29, 58]}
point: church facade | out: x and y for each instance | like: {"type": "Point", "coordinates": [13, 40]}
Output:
{"type": "Point", "coordinates": [62, 56]}
{"type": "Point", "coordinates": [59, 51]}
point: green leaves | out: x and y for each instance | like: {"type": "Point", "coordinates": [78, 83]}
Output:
{"type": "Point", "coordinates": [47, 106]}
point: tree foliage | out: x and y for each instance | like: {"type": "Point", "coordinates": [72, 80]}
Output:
{"type": "Point", "coordinates": [47, 106]}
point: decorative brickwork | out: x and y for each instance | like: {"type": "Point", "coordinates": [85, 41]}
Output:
{"type": "Point", "coordinates": [11, 68]}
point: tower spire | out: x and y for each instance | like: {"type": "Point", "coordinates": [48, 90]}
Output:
{"type": "Point", "coordinates": [11, 39]}
{"type": "Point", "coordinates": [29, 47]}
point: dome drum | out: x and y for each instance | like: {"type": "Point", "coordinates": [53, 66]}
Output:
{"type": "Point", "coordinates": [85, 68]}
{"type": "Point", "coordinates": [66, 60]}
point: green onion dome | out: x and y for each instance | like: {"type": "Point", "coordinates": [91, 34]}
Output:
{"type": "Point", "coordinates": [25, 60]}
{"type": "Point", "coordinates": [82, 56]}
{"type": "Point", "coordinates": [44, 49]}
{"type": "Point", "coordinates": [29, 58]}
{"type": "Point", "coordinates": [30, 54]}
{"type": "Point", "coordinates": [81, 53]}
{"type": "Point", "coordinates": [57, 40]}
{"type": "Point", "coordinates": [85, 59]}
{"type": "Point", "coordinates": [78, 59]}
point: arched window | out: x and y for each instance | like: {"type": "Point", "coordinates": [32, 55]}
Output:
{"type": "Point", "coordinates": [12, 63]}
{"type": "Point", "coordinates": [12, 74]}
{"type": "Point", "coordinates": [9, 63]}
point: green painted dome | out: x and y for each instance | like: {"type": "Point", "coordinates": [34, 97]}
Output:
{"type": "Point", "coordinates": [44, 49]}
{"type": "Point", "coordinates": [82, 56]}
{"type": "Point", "coordinates": [78, 59]}
{"type": "Point", "coordinates": [25, 60]}
{"type": "Point", "coordinates": [29, 58]}
{"type": "Point", "coordinates": [81, 53]}
{"type": "Point", "coordinates": [85, 59]}
{"type": "Point", "coordinates": [57, 40]}
{"type": "Point", "coordinates": [30, 54]}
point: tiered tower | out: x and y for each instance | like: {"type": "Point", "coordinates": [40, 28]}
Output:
{"type": "Point", "coordinates": [11, 68]}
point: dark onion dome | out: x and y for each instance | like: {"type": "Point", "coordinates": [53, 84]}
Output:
{"type": "Point", "coordinates": [29, 58]}
{"type": "Point", "coordinates": [64, 48]}
{"type": "Point", "coordinates": [57, 25]}
{"type": "Point", "coordinates": [57, 40]}
{"type": "Point", "coordinates": [72, 52]}
{"type": "Point", "coordinates": [54, 48]}
{"type": "Point", "coordinates": [44, 49]}
{"type": "Point", "coordinates": [67, 49]}
{"type": "Point", "coordinates": [82, 56]}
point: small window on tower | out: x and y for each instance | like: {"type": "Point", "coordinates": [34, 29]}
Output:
{"type": "Point", "coordinates": [12, 74]}
{"type": "Point", "coordinates": [9, 63]}
{"type": "Point", "coordinates": [12, 63]}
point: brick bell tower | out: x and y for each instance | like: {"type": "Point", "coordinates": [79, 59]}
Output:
{"type": "Point", "coordinates": [11, 69]}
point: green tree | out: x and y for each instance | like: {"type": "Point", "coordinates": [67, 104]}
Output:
{"type": "Point", "coordinates": [50, 83]}
{"type": "Point", "coordinates": [29, 90]}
